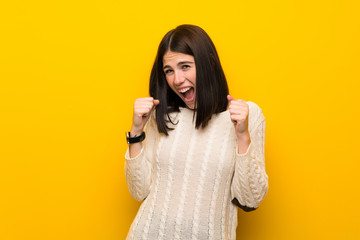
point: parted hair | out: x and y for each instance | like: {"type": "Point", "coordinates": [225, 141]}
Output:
{"type": "Point", "coordinates": [211, 85]}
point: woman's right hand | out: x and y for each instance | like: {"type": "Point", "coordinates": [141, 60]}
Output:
{"type": "Point", "coordinates": [142, 111]}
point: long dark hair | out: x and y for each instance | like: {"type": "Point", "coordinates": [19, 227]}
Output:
{"type": "Point", "coordinates": [211, 85]}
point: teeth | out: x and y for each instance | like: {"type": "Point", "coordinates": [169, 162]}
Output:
{"type": "Point", "coordinates": [184, 90]}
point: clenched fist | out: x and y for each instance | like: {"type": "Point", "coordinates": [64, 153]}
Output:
{"type": "Point", "coordinates": [239, 114]}
{"type": "Point", "coordinates": [142, 111]}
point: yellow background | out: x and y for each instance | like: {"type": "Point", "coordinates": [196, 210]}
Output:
{"type": "Point", "coordinates": [70, 71]}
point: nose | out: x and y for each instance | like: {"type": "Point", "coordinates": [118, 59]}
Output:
{"type": "Point", "coordinates": [179, 78]}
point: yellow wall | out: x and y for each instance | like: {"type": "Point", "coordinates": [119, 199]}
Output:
{"type": "Point", "coordinates": [70, 71]}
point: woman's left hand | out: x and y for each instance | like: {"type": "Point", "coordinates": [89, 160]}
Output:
{"type": "Point", "coordinates": [239, 114]}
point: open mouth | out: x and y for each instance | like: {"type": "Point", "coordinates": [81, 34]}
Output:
{"type": "Point", "coordinates": [188, 94]}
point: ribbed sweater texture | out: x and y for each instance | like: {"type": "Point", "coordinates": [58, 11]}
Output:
{"type": "Point", "coordinates": [188, 179]}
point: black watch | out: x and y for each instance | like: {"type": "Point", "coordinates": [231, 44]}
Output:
{"type": "Point", "coordinates": [135, 139]}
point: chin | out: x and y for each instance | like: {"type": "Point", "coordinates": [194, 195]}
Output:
{"type": "Point", "coordinates": [190, 106]}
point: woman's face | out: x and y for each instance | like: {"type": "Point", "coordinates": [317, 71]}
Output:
{"type": "Point", "coordinates": [180, 72]}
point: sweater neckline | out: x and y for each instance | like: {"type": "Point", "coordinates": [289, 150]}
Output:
{"type": "Point", "coordinates": [223, 113]}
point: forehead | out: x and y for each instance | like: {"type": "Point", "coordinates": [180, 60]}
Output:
{"type": "Point", "coordinates": [171, 58]}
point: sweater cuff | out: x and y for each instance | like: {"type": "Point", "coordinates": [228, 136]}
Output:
{"type": "Point", "coordinates": [139, 156]}
{"type": "Point", "coordinates": [243, 155]}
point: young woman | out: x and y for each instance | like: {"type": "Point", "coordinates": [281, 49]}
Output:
{"type": "Point", "coordinates": [195, 153]}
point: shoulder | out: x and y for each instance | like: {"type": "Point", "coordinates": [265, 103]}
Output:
{"type": "Point", "coordinates": [253, 107]}
{"type": "Point", "coordinates": [171, 120]}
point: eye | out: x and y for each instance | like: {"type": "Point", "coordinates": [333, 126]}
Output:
{"type": "Point", "coordinates": [185, 66]}
{"type": "Point", "coordinates": [167, 71]}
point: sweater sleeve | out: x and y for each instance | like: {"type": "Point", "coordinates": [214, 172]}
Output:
{"type": "Point", "coordinates": [250, 181]}
{"type": "Point", "coordinates": [138, 170]}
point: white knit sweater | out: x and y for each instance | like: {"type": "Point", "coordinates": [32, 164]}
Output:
{"type": "Point", "coordinates": [189, 178]}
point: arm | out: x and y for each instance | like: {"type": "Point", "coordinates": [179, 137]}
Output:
{"type": "Point", "coordinates": [250, 181]}
{"type": "Point", "coordinates": [138, 160]}
{"type": "Point", "coordinates": [138, 168]}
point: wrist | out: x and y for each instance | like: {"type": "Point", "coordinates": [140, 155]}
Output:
{"type": "Point", "coordinates": [243, 137]}
{"type": "Point", "coordinates": [135, 132]}
{"type": "Point", "coordinates": [243, 142]}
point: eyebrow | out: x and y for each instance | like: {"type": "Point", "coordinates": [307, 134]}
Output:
{"type": "Point", "coordinates": [179, 63]}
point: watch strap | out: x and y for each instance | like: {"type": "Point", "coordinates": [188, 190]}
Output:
{"type": "Point", "coordinates": [135, 139]}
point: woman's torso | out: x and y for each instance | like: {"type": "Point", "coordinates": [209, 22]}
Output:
{"type": "Point", "coordinates": [191, 175]}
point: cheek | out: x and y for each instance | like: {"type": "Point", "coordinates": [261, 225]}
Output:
{"type": "Point", "coordinates": [169, 82]}
{"type": "Point", "coordinates": [193, 77]}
